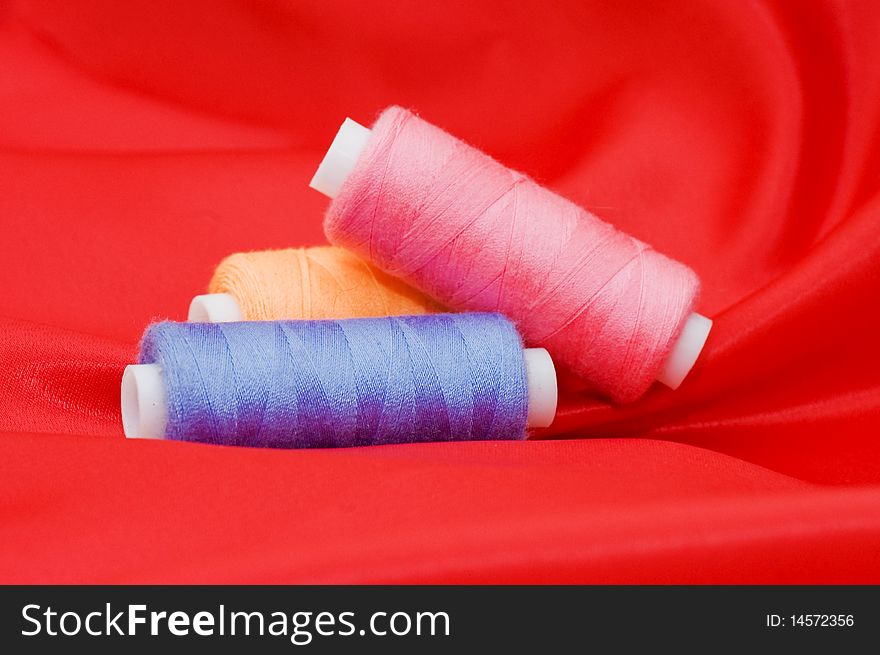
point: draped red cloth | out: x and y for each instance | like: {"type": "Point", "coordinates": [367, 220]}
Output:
{"type": "Point", "coordinates": [141, 142]}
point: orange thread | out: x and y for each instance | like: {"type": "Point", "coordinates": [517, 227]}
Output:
{"type": "Point", "coordinates": [323, 282]}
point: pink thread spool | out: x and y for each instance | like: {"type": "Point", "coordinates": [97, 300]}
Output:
{"type": "Point", "coordinates": [475, 235]}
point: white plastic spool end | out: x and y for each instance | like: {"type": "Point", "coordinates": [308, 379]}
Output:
{"type": "Point", "coordinates": [144, 408]}
{"type": "Point", "coordinates": [214, 308]}
{"type": "Point", "coordinates": [543, 390]}
{"type": "Point", "coordinates": [686, 350]}
{"type": "Point", "coordinates": [341, 158]}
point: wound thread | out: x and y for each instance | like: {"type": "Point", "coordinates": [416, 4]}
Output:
{"type": "Point", "coordinates": [306, 384]}
{"type": "Point", "coordinates": [423, 206]}
{"type": "Point", "coordinates": [322, 282]}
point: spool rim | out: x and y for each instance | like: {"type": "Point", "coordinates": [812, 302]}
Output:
{"type": "Point", "coordinates": [143, 403]}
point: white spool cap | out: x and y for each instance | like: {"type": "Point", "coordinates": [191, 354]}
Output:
{"type": "Point", "coordinates": [686, 350]}
{"type": "Point", "coordinates": [340, 158]}
{"type": "Point", "coordinates": [543, 391]}
{"type": "Point", "coordinates": [214, 308]}
{"type": "Point", "coordinates": [144, 408]}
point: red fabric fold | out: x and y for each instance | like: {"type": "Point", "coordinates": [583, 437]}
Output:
{"type": "Point", "coordinates": [142, 142]}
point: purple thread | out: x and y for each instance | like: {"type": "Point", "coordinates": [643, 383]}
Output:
{"type": "Point", "coordinates": [355, 382]}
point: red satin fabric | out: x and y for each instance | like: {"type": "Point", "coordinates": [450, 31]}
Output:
{"type": "Point", "coordinates": [141, 142]}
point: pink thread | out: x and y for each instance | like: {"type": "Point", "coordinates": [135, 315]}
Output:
{"type": "Point", "coordinates": [426, 207]}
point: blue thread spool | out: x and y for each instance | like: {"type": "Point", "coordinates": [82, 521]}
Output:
{"type": "Point", "coordinates": [299, 384]}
